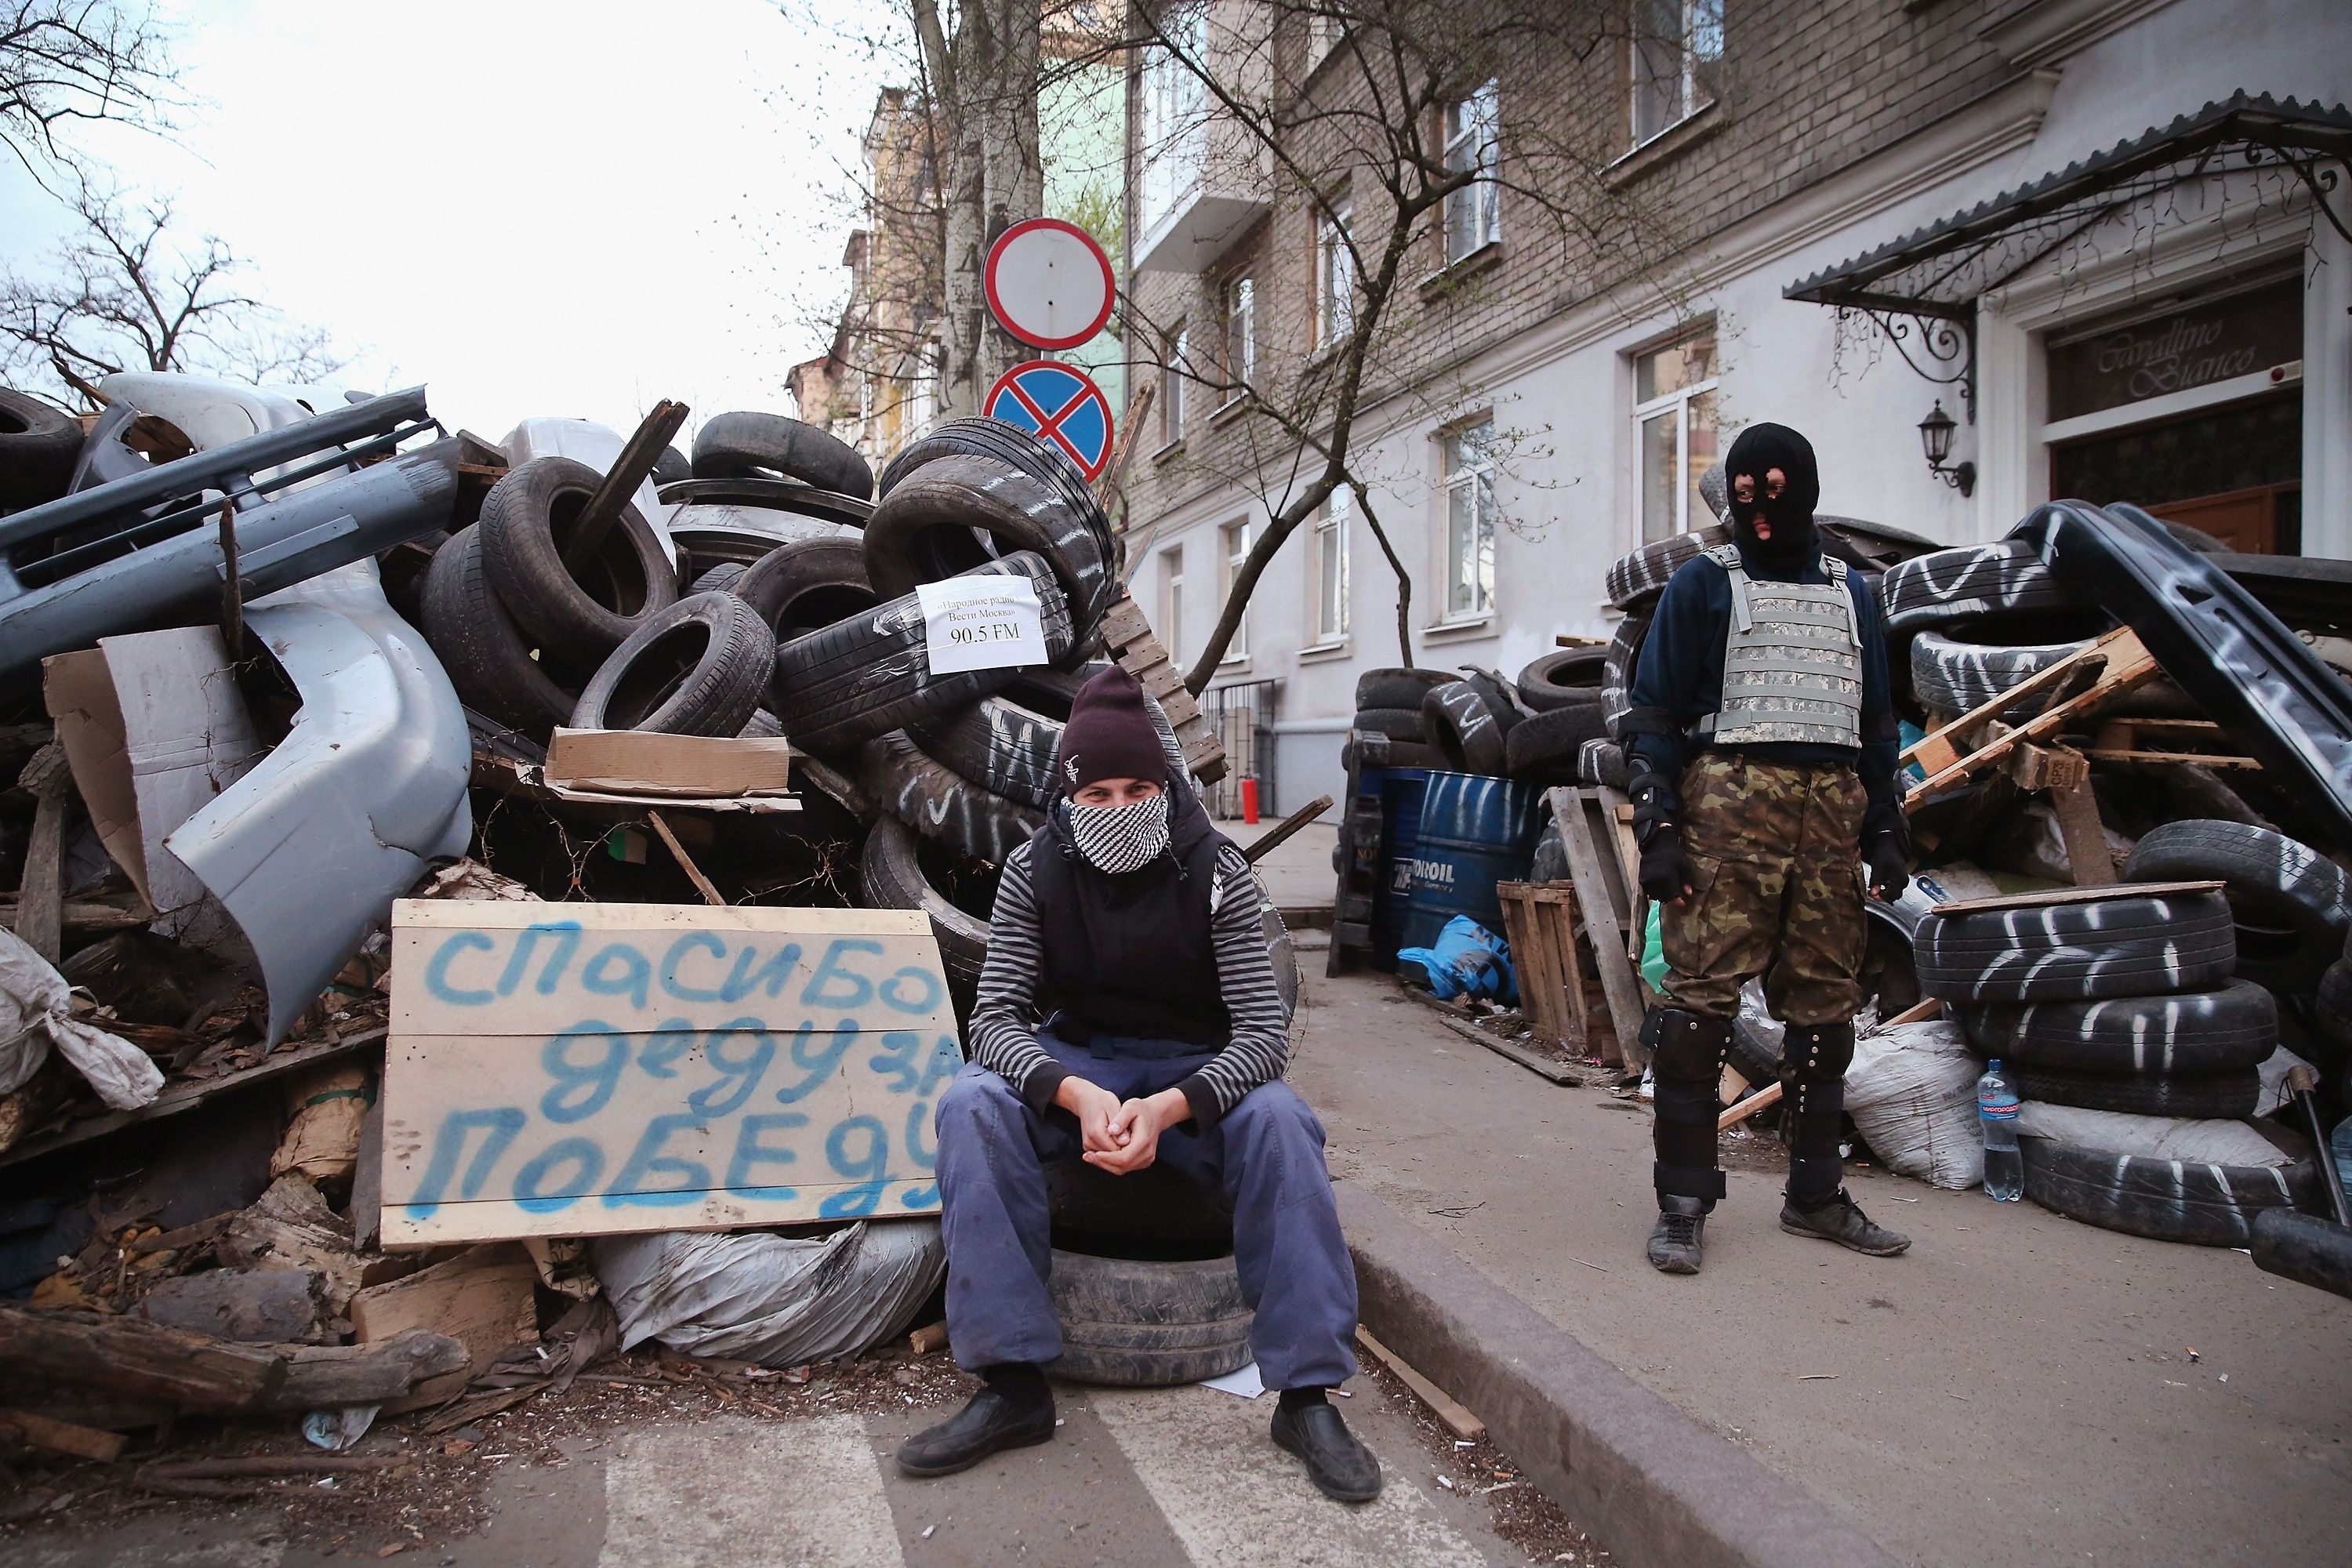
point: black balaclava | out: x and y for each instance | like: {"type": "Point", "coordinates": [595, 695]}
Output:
{"type": "Point", "coordinates": [1760, 449]}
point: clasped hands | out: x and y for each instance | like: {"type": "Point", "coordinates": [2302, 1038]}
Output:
{"type": "Point", "coordinates": [1121, 1136]}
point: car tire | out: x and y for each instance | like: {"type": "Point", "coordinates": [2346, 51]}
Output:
{"type": "Point", "coordinates": [1952, 674]}
{"type": "Point", "coordinates": [2202, 1096]}
{"type": "Point", "coordinates": [1456, 722]}
{"type": "Point", "coordinates": [1637, 578]}
{"type": "Point", "coordinates": [1951, 586]}
{"type": "Point", "coordinates": [1000, 746]}
{"type": "Point", "coordinates": [1396, 723]}
{"type": "Point", "coordinates": [2291, 905]}
{"type": "Point", "coordinates": [719, 579]}
{"type": "Point", "coordinates": [526, 521]}
{"type": "Point", "coordinates": [839, 687]}
{"type": "Point", "coordinates": [2331, 1007]}
{"type": "Point", "coordinates": [1039, 459]}
{"type": "Point", "coordinates": [487, 656]}
{"type": "Point", "coordinates": [1134, 1323]}
{"type": "Point", "coordinates": [1617, 671]}
{"type": "Point", "coordinates": [1397, 688]}
{"type": "Point", "coordinates": [1553, 741]}
{"type": "Point", "coordinates": [1751, 1056]}
{"type": "Point", "coordinates": [1501, 700]}
{"type": "Point", "coordinates": [2233, 1026]}
{"type": "Point", "coordinates": [805, 587]}
{"type": "Point", "coordinates": [891, 877]}
{"type": "Point", "coordinates": [2164, 1200]}
{"type": "Point", "coordinates": [939, 804]}
{"type": "Point", "coordinates": [671, 467]}
{"type": "Point", "coordinates": [926, 529]}
{"type": "Point", "coordinates": [750, 445]}
{"type": "Point", "coordinates": [2073, 952]}
{"type": "Point", "coordinates": [1566, 679]}
{"type": "Point", "coordinates": [697, 667]}
{"type": "Point", "coordinates": [38, 447]}
{"type": "Point", "coordinates": [1601, 764]}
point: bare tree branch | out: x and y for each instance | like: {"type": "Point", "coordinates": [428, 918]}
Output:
{"type": "Point", "coordinates": [69, 62]}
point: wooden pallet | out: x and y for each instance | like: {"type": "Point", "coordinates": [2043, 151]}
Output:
{"type": "Point", "coordinates": [1603, 929]}
{"type": "Point", "coordinates": [1540, 922]}
{"type": "Point", "coordinates": [1138, 649]}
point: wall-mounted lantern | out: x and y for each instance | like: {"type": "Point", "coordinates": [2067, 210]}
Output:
{"type": "Point", "coordinates": [1936, 436]}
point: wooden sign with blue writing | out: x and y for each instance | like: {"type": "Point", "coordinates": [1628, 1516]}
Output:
{"type": "Point", "coordinates": [583, 1069]}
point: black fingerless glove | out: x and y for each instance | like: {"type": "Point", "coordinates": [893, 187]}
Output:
{"type": "Point", "coordinates": [1663, 871]}
{"type": "Point", "coordinates": [1890, 867]}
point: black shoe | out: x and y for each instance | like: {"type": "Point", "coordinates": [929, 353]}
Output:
{"type": "Point", "coordinates": [1842, 1220]}
{"type": "Point", "coordinates": [1678, 1239]}
{"type": "Point", "coordinates": [989, 1423]}
{"type": "Point", "coordinates": [1337, 1464]}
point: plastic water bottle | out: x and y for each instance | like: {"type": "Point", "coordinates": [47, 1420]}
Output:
{"type": "Point", "coordinates": [2004, 1176]}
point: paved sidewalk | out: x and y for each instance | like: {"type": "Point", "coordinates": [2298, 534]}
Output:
{"type": "Point", "coordinates": [2018, 1389]}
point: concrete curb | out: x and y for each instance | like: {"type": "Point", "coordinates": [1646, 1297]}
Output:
{"type": "Point", "coordinates": [1653, 1485]}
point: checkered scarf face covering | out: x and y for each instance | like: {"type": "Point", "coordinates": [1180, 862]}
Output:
{"type": "Point", "coordinates": [1117, 838]}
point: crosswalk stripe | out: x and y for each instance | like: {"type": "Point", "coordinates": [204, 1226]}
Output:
{"type": "Point", "coordinates": [744, 1494]}
{"type": "Point", "coordinates": [1236, 1500]}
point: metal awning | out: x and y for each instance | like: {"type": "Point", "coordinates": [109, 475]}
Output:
{"type": "Point", "coordinates": [1934, 276]}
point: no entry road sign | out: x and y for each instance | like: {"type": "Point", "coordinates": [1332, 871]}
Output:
{"type": "Point", "coordinates": [1048, 283]}
{"type": "Point", "coordinates": [1059, 403]}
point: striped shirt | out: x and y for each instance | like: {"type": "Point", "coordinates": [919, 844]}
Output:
{"type": "Point", "coordinates": [1006, 1017]}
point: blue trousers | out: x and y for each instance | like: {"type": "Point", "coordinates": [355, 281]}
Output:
{"type": "Point", "coordinates": [1265, 1156]}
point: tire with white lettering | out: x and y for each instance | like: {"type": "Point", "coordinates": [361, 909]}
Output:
{"type": "Point", "coordinates": [2164, 1200]}
{"type": "Point", "coordinates": [1600, 763]}
{"type": "Point", "coordinates": [697, 667]}
{"type": "Point", "coordinates": [2075, 952]}
{"type": "Point", "coordinates": [1135, 1322]}
{"type": "Point", "coordinates": [38, 447]}
{"type": "Point", "coordinates": [1954, 675]}
{"type": "Point", "coordinates": [747, 446]}
{"type": "Point", "coordinates": [836, 688]}
{"type": "Point", "coordinates": [951, 515]}
{"type": "Point", "coordinates": [938, 803]}
{"type": "Point", "coordinates": [2213, 1096]}
{"type": "Point", "coordinates": [2291, 905]}
{"type": "Point", "coordinates": [575, 617]}
{"type": "Point", "coordinates": [1617, 671]}
{"type": "Point", "coordinates": [1502, 701]}
{"type": "Point", "coordinates": [891, 876]}
{"type": "Point", "coordinates": [997, 745]}
{"type": "Point", "coordinates": [2234, 1025]}
{"type": "Point", "coordinates": [1567, 678]}
{"type": "Point", "coordinates": [1636, 578]}
{"type": "Point", "coordinates": [1397, 688]}
{"type": "Point", "coordinates": [487, 656]}
{"type": "Point", "coordinates": [1456, 721]}
{"type": "Point", "coordinates": [808, 585]}
{"type": "Point", "coordinates": [1951, 586]}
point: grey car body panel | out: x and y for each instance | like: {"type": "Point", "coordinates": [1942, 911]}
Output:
{"type": "Point", "coordinates": [2242, 666]}
{"type": "Point", "coordinates": [309, 849]}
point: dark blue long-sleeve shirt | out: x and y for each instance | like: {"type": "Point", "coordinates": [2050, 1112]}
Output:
{"type": "Point", "coordinates": [1680, 672]}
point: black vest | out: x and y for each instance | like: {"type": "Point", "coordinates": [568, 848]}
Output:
{"type": "Point", "coordinates": [1132, 954]}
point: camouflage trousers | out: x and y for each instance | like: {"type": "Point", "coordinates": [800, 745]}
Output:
{"type": "Point", "coordinates": [1774, 857]}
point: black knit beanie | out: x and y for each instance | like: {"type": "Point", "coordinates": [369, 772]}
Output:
{"type": "Point", "coordinates": [1109, 736]}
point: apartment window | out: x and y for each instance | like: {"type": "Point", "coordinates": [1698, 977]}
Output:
{"type": "Point", "coordinates": [1241, 337]}
{"type": "Point", "coordinates": [923, 397]}
{"type": "Point", "coordinates": [1677, 46]}
{"type": "Point", "coordinates": [1334, 277]}
{"type": "Point", "coordinates": [1172, 603]}
{"type": "Point", "coordinates": [1674, 410]}
{"type": "Point", "coordinates": [1470, 521]}
{"type": "Point", "coordinates": [1329, 566]}
{"type": "Point", "coordinates": [1171, 387]}
{"type": "Point", "coordinates": [1473, 213]}
{"type": "Point", "coordinates": [1173, 93]}
{"type": "Point", "coordinates": [1237, 549]}
{"type": "Point", "coordinates": [1324, 31]}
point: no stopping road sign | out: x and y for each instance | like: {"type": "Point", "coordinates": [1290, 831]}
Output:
{"type": "Point", "coordinates": [1059, 403]}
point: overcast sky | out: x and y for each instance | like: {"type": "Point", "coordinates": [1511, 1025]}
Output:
{"type": "Point", "coordinates": [533, 207]}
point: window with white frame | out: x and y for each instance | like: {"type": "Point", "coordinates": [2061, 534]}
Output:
{"type": "Point", "coordinates": [1470, 521]}
{"type": "Point", "coordinates": [1473, 217]}
{"type": "Point", "coordinates": [1237, 549]}
{"type": "Point", "coordinates": [1674, 415]}
{"type": "Point", "coordinates": [1171, 388]}
{"type": "Point", "coordinates": [1677, 45]}
{"type": "Point", "coordinates": [1334, 277]}
{"type": "Point", "coordinates": [1172, 90]}
{"type": "Point", "coordinates": [1323, 31]}
{"type": "Point", "coordinates": [923, 397]}
{"type": "Point", "coordinates": [1240, 336]}
{"type": "Point", "coordinates": [1172, 603]}
{"type": "Point", "coordinates": [1329, 567]}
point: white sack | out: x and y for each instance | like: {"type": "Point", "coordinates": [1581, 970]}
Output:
{"type": "Point", "coordinates": [1912, 1091]}
{"type": "Point", "coordinates": [37, 1012]}
{"type": "Point", "coordinates": [2152, 1137]}
{"type": "Point", "coordinates": [775, 1299]}
{"type": "Point", "coordinates": [2273, 1069]}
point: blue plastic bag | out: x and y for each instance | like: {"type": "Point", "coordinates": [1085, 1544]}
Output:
{"type": "Point", "coordinates": [1468, 961]}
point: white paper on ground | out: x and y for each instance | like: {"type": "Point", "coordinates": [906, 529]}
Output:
{"type": "Point", "coordinates": [981, 623]}
{"type": "Point", "coordinates": [1245, 1382]}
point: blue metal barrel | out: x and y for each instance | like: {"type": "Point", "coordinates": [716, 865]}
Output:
{"type": "Point", "coordinates": [1401, 791]}
{"type": "Point", "coordinates": [1473, 832]}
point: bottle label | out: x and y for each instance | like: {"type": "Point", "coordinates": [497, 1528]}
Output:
{"type": "Point", "coordinates": [1993, 1110]}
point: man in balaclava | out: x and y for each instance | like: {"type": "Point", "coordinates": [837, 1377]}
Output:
{"type": "Point", "coordinates": [1128, 1014]}
{"type": "Point", "coordinates": [1761, 750]}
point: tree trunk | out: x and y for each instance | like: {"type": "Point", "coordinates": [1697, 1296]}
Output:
{"type": "Point", "coordinates": [1404, 578]}
{"type": "Point", "coordinates": [197, 1371]}
{"type": "Point", "coordinates": [984, 84]}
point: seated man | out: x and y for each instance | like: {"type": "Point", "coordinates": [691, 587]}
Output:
{"type": "Point", "coordinates": [1129, 926]}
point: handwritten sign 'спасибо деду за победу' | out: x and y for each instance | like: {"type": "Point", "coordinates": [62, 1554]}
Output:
{"type": "Point", "coordinates": [582, 1069]}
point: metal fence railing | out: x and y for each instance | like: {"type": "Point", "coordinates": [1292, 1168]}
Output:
{"type": "Point", "coordinates": [1243, 716]}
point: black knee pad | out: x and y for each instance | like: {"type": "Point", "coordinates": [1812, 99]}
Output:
{"type": "Point", "coordinates": [1688, 1046]}
{"type": "Point", "coordinates": [1819, 1052]}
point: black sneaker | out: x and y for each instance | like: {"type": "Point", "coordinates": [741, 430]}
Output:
{"type": "Point", "coordinates": [989, 1423]}
{"type": "Point", "coordinates": [1842, 1220]}
{"type": "Point", "coordinates": [1679, 1237]}
{"type": "Point", "coordinates": [1342, 1468]}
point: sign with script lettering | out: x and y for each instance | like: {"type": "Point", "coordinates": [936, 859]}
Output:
{"type": "Point", "coordinates": [2201, 342]}
{"type": "Point", "coordinates": [584, 1069]}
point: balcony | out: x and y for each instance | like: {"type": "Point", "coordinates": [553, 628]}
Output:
{"type": "Point", "coordinates": [1197, 192]}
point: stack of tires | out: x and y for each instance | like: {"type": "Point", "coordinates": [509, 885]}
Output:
{"type": "Point", "coordinates": [1634, 583]}
{"type": "Point", "coordinates": [1387, 736]}
{"type": "Point", "coordinates": [2120, 1003]}
{"type": "Point", "coordinates": [1963, 625]}
{"type": "Point", "coordinates": [1560, 698]}
{"type": "Point", "coordinates": [1387, 730]}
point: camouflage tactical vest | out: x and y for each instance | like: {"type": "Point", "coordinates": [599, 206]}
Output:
{"type": "Point", "coordinates": [1791, 661]}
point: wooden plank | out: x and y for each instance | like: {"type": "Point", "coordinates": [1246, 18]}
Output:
{"type": "Point", "coordinates": [1916, 1013]}
{"type": "Point", "coordinates": [40, 894]}
{"type": "Point", "coordinates": [2080, 830]}
{"type": "Point", "coordinates": [1618, 981]}
{"type": "Point", "coordinates": [1540, 924]}
{"type": "Point", "coordinates": [367, 1180]}
{"type": "Point", "coordinates": [65, 1436]}
{"type": "Point", "coordinates": [2137, 758]}
{"type": "Point", "coordinates": [2123, 662]}
{"type": "Point", "coordinates": [1450, 1411]}
{"type": "Point", "coordinates": [633, 468]}
{"type": "Point", "coordinates": [1124, 622]}
{"type": "Point", "coordinates": [2073, 896]}
{"type": "Point", "coordinates": [483, 1297]}
{"type": "Point", "coordinates": [685, 861]}
{"type": "Point", "coordinates": [558, 1069]}
{"type": "Point", "coordinates": [1767, 1096]}
{"type": "Point", "coordinates": [1289, 826]}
